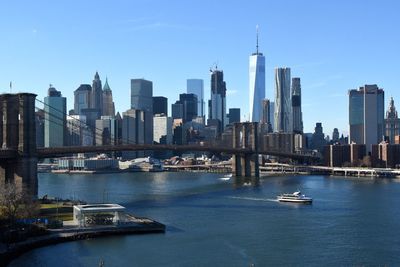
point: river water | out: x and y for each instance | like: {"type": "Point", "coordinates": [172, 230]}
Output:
{"type": "Point", "coordinates": [217, 222]}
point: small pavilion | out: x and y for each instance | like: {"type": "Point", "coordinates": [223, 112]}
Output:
{"type": "Point", "coordinates": [99, 215]}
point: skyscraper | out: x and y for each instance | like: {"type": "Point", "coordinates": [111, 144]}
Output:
{"type": "Point", "coordinates": [108, 103]}
{"type": "Point", "coordinates": [177, 110]}
{"type": "Point", "coordinates": [133, 131]}
{"type": "Point", "coordinates": [217, 103]}
{"type": "Point", "coordinates": [55, 110]}
{"type": "Point", "coordinates": [107, 131]}
{"type": "Point", "coordinates": [96, 101]}
{"type": "Point", "coordinates": [283, 103]}
{"type": "Point", "coordinates": [196, 86]}
{"type": "Point", "coordinates": [392, 122]}
{"type": "Point", "coordinates": [266, 111]}
{"type": "Point", "coordinates": [272, 115]}
{"type": "Point", "coordinates": [366, 115]}
{"type": "Point", "coordinates": [335, 135]}
{"type": "Point", "coordinates": [160, 105]}
{"type": "Point", "coordinates": [234, 115]}
{"type": "Point", "coordinates": [318, 137]}
{"type": "Point", "coordinates": [256, 83]}
{"type": "Point", "coordinates": [189, 105]}
{"type": "Point", "coordinates": [78, 132]}
{"type": "Point", "coordinates": [266, 114]}
{"type": "Point", "coordinates": [142, 99]}
{"type": "Point", "coordinates": [82, 97]}
{"type": "Point", "coordinates": [162, 129]}
{"type": "Point", "coordinates": [142, 95]}
{"type": "Point", "coordinates": [296, 106]}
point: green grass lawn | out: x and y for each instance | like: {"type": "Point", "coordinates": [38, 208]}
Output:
{"type": "Point", "coordinates": [49, 211]}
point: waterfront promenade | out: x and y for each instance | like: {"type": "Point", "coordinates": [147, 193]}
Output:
{"type": "Point", "coordinates": [69, 233]}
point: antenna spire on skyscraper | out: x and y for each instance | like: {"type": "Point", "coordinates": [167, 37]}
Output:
{"type": "Point", "coordinates": [257, 39]}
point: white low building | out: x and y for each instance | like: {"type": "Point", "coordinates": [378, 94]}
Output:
{"type": "Point", "coordinates": [99, 214]}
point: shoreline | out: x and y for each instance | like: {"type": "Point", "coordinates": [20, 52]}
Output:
{"type": "Point", "coordinates": [287, 170]}
{"type": "Point", "coordinates": [74, 234]}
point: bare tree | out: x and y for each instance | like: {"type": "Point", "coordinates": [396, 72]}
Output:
{"type": "Point", "coordinates": [16, 203]}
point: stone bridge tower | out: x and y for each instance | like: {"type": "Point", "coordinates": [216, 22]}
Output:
{"type": "Point", "coordinates": [18, 160]}
{"type": "Point", "coordinates": [245, 135]}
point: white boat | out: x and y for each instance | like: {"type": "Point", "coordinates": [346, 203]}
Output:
{"type": "Point", "coordinates": [226, 177]}
{"type": "Point", "coordinates": [295, 197]}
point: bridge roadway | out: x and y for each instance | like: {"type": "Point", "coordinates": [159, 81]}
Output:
{"type": "Point", "coordinates": [54, 152]}
{"type": "Point", "coordinates": [63, 151]}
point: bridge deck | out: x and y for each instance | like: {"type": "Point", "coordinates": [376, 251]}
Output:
{"type": "Point", "coordinates": [54, 152]}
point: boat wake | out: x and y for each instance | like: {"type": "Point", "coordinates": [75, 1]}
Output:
{"type": "Point", "coordinates": [255, 199]}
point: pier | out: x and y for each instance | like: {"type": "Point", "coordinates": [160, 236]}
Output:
{"type": "Point", "coordinates": [278, 168]}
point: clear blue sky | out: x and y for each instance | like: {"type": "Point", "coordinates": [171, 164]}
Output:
{"type": "Point", "coordinates": [332, 45]}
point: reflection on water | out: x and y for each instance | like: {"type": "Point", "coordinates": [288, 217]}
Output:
{"type": "Point", "coordinates": [246, 181]}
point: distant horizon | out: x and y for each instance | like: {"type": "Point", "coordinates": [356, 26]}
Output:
{"type": "Point", "coordinates": [332, 47]}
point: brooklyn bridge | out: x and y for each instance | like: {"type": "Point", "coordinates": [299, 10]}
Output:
{"type": "Point", "coordinates": [19, 153]}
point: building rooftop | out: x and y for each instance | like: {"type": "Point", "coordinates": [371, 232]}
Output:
{"type": "Point", "coordinates": [100, 207]}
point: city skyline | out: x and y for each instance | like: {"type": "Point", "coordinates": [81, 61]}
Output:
{"type": "Point", "coordinates": [327, 56]}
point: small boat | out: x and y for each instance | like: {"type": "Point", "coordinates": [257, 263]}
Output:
{"type": "Point", "coordinates": [226, 177]}
{"type": "Point", "coordinates": [295, 197]}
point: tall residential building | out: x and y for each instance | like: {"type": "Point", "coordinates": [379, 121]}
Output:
{"type": "Point", "coordinates": [82, 97]}
{"type": "Point", "coordinates": [55, 111]}
{"type": "Point", "coordinates": [283, 103]}
{"type": "Point", "coordinates": [108, 103]}
{"type": "Point", "coordinates": [256, 84]}
{"type": "Point", "coordinates": [366, 115]}
{"type": "Point", "coordinates": [217, 103]}
{"type": "Point", "coordinates": [96, 100]}
{"type": "Point", "coordinates": [234, 115]}
{"type": "Point", "coordinates": [296, 106]}
{"type": "Point", "coordinates": [160, 105]}
{"type": "Point", "coordinates": [196, 86]}
{"type": "Point", "coordinates": [392, 122]}
{"type": "Point", "coordinates": [142, 99]}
